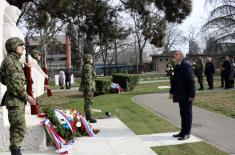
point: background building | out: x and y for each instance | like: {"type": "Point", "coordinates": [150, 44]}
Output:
{"type": "Point", "coordinates": [58, 56]}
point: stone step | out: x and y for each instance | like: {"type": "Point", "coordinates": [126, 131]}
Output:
{"type": "Point", "coordinates": [165, 139]}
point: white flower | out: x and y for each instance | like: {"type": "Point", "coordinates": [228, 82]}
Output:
{"type": "Point", "coordinates": [78, 124]}
{"type": "Point", "coordinates": [61, 121]}
{"type": "Point", "coordinates": [77, 117]}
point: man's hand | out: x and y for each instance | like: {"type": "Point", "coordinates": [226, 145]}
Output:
{"type": "Point", "coordinates": [31, 100]}
{"type": "Point", "coordinates": [171, 96]}
{"type": "Point", "coordinates": [29, 64]}
{"type": "Point", "coordinates": [191, 99]}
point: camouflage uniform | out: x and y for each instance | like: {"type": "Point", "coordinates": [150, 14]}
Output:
{"type": "Point", "coordinates": [88, 86]}
{"type": "Point", "coordinates": [15, 98]}
{"type": "Point", "coordinates": [199, 70]}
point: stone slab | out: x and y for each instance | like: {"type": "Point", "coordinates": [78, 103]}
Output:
{"type": "Point", "coordinates": [165, 139]}
{"type": "Point", "coordinates": [35, 138]}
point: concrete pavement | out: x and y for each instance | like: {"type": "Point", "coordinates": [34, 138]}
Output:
{"type": "Point", "coordinates": [214, 128]}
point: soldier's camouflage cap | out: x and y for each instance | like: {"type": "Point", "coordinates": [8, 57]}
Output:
{"type": "Point", "coordinates": [12, 43]}
{"type": "Point", "coordinates": [87, 58]}
{"type": "Point", "coordinates": [35, 53]}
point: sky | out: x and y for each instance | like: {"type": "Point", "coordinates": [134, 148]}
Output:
{"type": "Point", "coordinates": [197, 18]}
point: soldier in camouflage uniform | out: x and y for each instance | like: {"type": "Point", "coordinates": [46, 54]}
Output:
{"type": "Point", "coordinates": [15, 98]}
{"type": "Point", "coordinates": [36, 54]}
{"type": "Point", "coordinates": [88, 86]}
{"type": "Point", "coordinates": [198, 71]}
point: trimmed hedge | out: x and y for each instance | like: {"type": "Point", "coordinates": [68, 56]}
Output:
{"type": "Point", "coordinates": [102, 86]}
{"type": "Point", "coordinates": [126, 81]}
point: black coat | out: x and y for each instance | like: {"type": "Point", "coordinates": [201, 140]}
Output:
{"type": "Point", "coordinates": [226, 68]}
{"type": "Point", "coordinates": [68, 74]}
{"type": "Point", "coordinates": [209, 69]}
{"type": "Point", "coordinates": [183, 84]}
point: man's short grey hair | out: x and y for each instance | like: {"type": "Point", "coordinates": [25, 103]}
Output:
{"type": "Point", "coordinates": [182, 53]}
{"type": "Point", "coordinates": [209, 59]}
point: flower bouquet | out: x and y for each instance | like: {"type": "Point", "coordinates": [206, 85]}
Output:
{"type": "Point", "coordinates": [62, 126]}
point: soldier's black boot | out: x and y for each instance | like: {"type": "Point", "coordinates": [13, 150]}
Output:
{"type": "Point", "coordinates": [89, 118]}
{"type": "Point", "coordinates": [15, 152]}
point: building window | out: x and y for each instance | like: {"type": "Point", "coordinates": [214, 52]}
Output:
{"type": "Point", "coordinates": [166, 59]}
{"type": "Point", "coordinates": [160, 59]}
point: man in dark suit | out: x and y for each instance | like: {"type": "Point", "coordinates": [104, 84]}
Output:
{"type": "Point", "coordinates": [68, 73]}
{"type": "Point", "coordinates": [183, 91]}
{"type": "Point", "coordinates": [227, 72]}
{"type": "Point", "coordinates": [209, 72]}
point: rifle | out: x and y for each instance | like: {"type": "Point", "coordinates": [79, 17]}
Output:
{"type": "Point", "coordinates": [29, 81]}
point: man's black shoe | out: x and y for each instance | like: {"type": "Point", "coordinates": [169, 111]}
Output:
{"type": "Point", "coordinates": [184, 137]}
{"type": "Point", "coordinates": [178, 135]}
{"type": "Point", "coordinates": [201, 89]}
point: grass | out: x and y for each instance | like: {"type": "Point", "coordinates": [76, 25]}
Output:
{"type": "Point", "coordinates": [152, 77]}
{"type": "Point", "coordinates": [220, 102]}
{"type": "Point", "coordinates": [200, 148]}
{"type": "Point", "coordinates": [138, 119]}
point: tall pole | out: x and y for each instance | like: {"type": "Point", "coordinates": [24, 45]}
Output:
{"type": "Point", "coordinates": [68, 51]}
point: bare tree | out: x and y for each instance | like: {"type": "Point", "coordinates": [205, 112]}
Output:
{"type": "Point", "coordinates": [192, 41]}
{"type": "Point", "coordinates": [220, 24]}
{"type": "Point", "coordinates": [173, 37]}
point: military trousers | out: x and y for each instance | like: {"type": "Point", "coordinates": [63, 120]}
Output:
{"type": "Point", "coordinates": [88, 99]}
{"type": "Point", "coordinates": [16, 116]}
{"type": "Point", "coordinates": [200, 80]}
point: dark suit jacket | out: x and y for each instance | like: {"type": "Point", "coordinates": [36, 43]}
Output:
{"type": "Point", "coordinates": [226, 67]}
{"type": "Point", "coordinates": [209, 69]}
{"type": "Point", "coordinates": [183, 84]}
{"type": "Point", "coordinates": [68, 74]}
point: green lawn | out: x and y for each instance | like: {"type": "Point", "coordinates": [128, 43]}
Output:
{"type": "Point", "coordinates": [200, 148]}
{"type": "Point", "coordinates": [138, 119]}
{"type": "Point", "coordinates": [220, 102]}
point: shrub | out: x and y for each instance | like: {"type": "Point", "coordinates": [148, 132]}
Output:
{"type": "Point", "coordinates": [126, 81]}
{"type": "Point", "coordinates": [102, 86]}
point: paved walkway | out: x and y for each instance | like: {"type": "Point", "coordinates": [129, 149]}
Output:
{"type": "Point", "coordinates": [215, 128]}
{"type": "Point", "coordinates": [115, 138]}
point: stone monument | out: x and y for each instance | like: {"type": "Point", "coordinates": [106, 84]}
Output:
{"type": "Point", "coordinates": [35, 138]}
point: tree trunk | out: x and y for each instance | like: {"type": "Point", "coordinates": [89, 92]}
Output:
{"type": "Point", "coordinates": [88, 48]}
{"type": "Point", "coordinates": [116, 59]}
{"type": "Point", "coordinates": [79, 54]}
{"type": "Point", "coordinates": [141, 60]}
{"type": "Point", "coordinates": [105, 50]}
